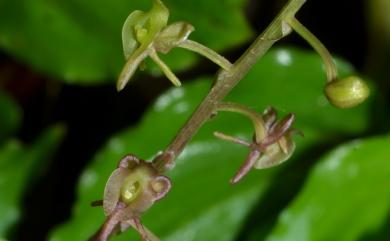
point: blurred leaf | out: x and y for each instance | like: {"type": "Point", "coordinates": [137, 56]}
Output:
{"type": "Point", "coordinates": [346, 196]}
{"type": "Point", "coordinates": [202, 205]}
{"type": "Point", "coordinates": [378, 235]}
{"type": "Point", "coordinates": [10, 116]}
{"type": "Point", "coordinates": [80, 41]}
{"type": "Point", "coordinates": [18, 166]}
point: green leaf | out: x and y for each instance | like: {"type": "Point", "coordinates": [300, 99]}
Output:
{"type": "Point", "coordinates": [18, 166]}
{"type": "Point", "coordinates": [346, 196]}
{"type": "Point", "coordinates": [80, 41]}
{"type": "Point", "coordinates": [202, 205]}
{"type": "Point", "coordinates": [10, 116]}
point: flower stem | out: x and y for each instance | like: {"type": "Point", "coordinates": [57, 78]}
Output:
{"type": "Point", "coordinates": [226, 81]}
{"type": "Point", "coordinates": [257, 120]}
{"type": "Point", "coordinates": [208, 53]}
{"type": "Point", "coordinates": [330, 67]}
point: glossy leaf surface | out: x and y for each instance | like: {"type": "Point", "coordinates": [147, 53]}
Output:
{"type": "Point", "coordinates": [202, 205]}
{"type": "Point", "coordinates": [346, 196]}
{"type": "Point", "coordinates": [80, 41]}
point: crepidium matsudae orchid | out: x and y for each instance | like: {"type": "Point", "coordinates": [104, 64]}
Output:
{"type": "Point", "coordinates": [135, 185]}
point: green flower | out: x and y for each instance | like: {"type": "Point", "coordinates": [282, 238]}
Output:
{"type": "Point", "coordinates": [138, 35]}
{"type": "Point", "coordinates": [145, 34]}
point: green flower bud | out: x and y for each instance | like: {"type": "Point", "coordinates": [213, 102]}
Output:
{"type": "Point", "coordinates": [347, 92]}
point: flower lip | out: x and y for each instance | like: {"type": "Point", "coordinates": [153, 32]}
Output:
{"type": "Point", "coordinates": [130, 190]}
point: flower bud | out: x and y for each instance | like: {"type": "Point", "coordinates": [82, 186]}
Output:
{"type": "Point", "coordinates": [347, 92]}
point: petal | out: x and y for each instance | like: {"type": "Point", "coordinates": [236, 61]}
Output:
{"type": "Point", "coordinates": [246, 166]}
{"type": "Point", "coordinates": [152, 22]}
{"type": "Point", "coordinates": [129, 162]}
{"type": "Point", "coordinates": [284, 145]}
{"type": "Point", "coordinates": [275, 155]}
{"type": "Point", "coordinates": [158, 17]}
{"type": "Point", "coordinates": [269, 117]}
{"type": "Point", "coordinates": [113, 189]}
{"type": "Point", "coordinates": [129, 40]}
{"type": "Point", "coordinates": [165, 69]}
{"type": "Point", "coordinates": [161, 186]}
{"type": "Point", "coordinates": [285, 123]}
{"type": "Point", "coordinates": [142, 203]}
{"type": "Point", "coordinates": [172, 35]}
{"type": "Point", "coordinates": [130, 67]}
{"type": "Point", "coordinates": [279, 130]}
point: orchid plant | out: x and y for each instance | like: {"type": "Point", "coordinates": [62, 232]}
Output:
{"type": "Point", "coordinates": [135, 185]}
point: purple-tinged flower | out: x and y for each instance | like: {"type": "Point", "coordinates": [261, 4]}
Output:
{"type": "Point", "coordinates": [131, 189]}
{"type": "Point", "coordinates": [272, 148]}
